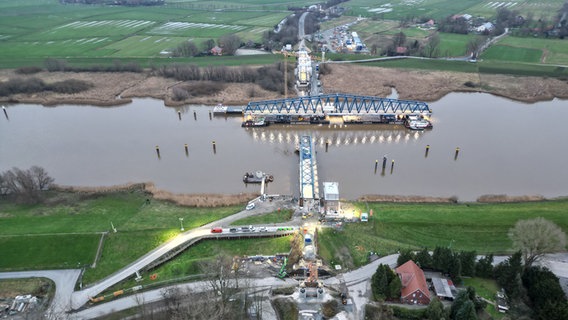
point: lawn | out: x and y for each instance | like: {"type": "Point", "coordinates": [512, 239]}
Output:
{"type": "Point", "coordinates": [486, 288]}
{"type": "Point", "coordinates": [479, 227]}
{"type": "Point", "coordinates": [47, 251]}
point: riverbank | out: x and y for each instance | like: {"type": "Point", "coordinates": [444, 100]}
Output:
{"type": "Point", "coordinates": [187, 200]}
{"type": "Point", "coordinates": [111, 89]}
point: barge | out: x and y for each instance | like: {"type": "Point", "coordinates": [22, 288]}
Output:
{"type": "Point", "coordinates": [257, 177]}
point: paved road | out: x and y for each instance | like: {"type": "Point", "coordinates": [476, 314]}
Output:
{"type": "Point", "coordinates": [64, 280]}
{"type": "Point", "coordinates": [156, 295]}
{"type": "Point", "coordinates": [358, 283]}
{"type": "Point", "coordinates": [79, 298]}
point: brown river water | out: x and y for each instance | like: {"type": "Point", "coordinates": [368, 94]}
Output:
{"type": "Point", "coordinates": [506, 147]}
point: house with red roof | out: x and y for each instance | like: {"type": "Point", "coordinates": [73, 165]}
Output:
{"type": "Point", "coordinates": [414, 287]}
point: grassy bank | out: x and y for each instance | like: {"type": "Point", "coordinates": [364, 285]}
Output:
{"type": "Point", "coordinates": [188, 264]}
{"type": "Point", "coordinates": [272, 217]}
{"type": "Point", "coordinates": [64, 232]}
{"type": "Point", "coordinates": [480, 227]}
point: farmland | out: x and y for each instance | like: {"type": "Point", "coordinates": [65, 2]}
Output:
{"type": "Point", "coordinates": [34, 30]}
{"type": "Point", "coordinates": [438, 9]}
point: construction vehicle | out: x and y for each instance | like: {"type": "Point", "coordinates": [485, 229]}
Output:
{"type": "Point", "coordinates": [282, 273]}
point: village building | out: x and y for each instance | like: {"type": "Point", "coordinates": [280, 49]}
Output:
{"type": "Point", "coordinates": [414, 286]}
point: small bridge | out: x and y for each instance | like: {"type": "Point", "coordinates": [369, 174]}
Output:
{"type": "Point", "coordinates": [336, 104]}
{"type": "Point", "coordinates": [309, 187]}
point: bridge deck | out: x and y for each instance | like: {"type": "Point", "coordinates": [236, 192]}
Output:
{"type": "Point", "coordinates": [309, 188]}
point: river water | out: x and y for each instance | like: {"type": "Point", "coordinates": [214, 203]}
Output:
{"type": "Point", "coordinates": [506, 147]}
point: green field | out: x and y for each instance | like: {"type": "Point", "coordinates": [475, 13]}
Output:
{"type": "Point", "coordinates": [479, 227]}
{"type": "Point", "coordinates": [438, 9]}
{"type": "Point", "coordinates": [65, 232]}
{"type": "Point", "coordinates": [454, 45]}
{"type": "Point", "coordinates": [528, 49]}
{"type": "Point", "coordinates": [188, 263]}
{"type": "Point", "coordinates": [272, 217]}
{"type": "Point", "coordinates": [31, 31]}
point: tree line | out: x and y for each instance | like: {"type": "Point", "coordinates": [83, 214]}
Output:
{"type": "Point", "coordinates": [117, 2]}
{"type": "Point", "coordinates": [25, 185]}
{"type": "Point", "coordinates": [531, 290]}
{"type": "Point", "coordinates": [35, 85]}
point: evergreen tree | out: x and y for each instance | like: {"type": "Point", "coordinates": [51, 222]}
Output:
{"type": "Point", "coordinates": [508, 275]}
{"type": "Point", "coordinates": [404, 256]}
{"type": "Point", "coordinates": [423, 259]}
{"type": "Point", "coordinates": [467, 260]}
{"type": "Point", "coordinates": [466, 312]}
{"type": "Point", "coordinates": [379, 282]}
{"type": "Point", "coordinates": [454, 267]}
{"type": "Point", "coordinates": [484, 267]}
{"type": "Point", "coordinates": [394, 288]}
{"type": "Point", "coordinates": [435, 310]}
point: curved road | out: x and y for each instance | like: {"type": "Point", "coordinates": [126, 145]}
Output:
{"type": "Point", "coordinates": [79, 298]}
{"type": "Point", "coordinates": [64, 280]}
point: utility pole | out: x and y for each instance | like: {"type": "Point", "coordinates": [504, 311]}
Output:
{"type": "Point", "coordinates": [285, 74]}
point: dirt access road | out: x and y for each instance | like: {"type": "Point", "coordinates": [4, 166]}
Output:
{"type": "Point", "coordinates": [111, 89]}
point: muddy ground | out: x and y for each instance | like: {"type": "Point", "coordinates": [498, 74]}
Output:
{"type": "Point", "coordinates": [119, 88]}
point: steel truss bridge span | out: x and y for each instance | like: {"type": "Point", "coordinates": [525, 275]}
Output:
{"type": "Point", "coordinates": [336, 104]}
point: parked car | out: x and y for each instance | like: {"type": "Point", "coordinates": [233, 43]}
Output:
{"type": "Point", "coordinates": [250, 206]}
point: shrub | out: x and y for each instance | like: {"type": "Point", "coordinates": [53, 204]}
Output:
{"type": "Point", "coordinates": [180, 94]}
{"type": "Point", "coordinates": [470, 84]}
{"type": "Point", "coordinates": [69, 86]}
{"type": "Point", "coordinates": [29, 70]}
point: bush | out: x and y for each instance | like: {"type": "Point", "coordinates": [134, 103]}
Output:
{"type": "Point", "coordinates": [470, 84]}
{"type": "Point", "coordinates": [69, 86]}
{"type": "Point", "coordinates": [204, 88]}
{"type": "Point", "coordinates": [180, 94]}
{"type": "Point", "coordinates": [29, 70]}
{"type": "Point", "coordinates": [34, 85]}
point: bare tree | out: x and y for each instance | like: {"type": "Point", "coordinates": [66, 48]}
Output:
{"type": "Point", "coordinates": [230, 43]}
{"type": "Point", "coordinates": [432, 49]}
{"type": "Point", "coordinates": [186, 49]}
{"type": "Point", "coordinates": [42, 179]}
{"type": "Point", "coordinates": [25, 185]}
{"type": "Point", "coordinates": [222, 280]}
{"type": "Point", "coordinates": [474, 45]}
{"type": "Point", "coordinates": [536, 237]}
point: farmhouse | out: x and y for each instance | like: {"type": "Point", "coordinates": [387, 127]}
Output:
{"type": "Point", "coordinates": [216, 51]}
{"type": "Point", "coordinates": [414, 286]}
{"type": "Point", "coordinates": [488, 26]}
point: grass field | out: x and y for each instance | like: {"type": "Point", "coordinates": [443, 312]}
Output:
{"type": "Point", "coordinates": [272, 217]}
{"type": "Point", "coordinates": [438, 9]}
{"type": "Point", "coordinates": [32, 236]}
{"type": "Point", "coordinates": [31, 31]}
{"type": "Point", "coordinates": [35, 286]}
{"type": "Point", "coordinates": [533, 50]}
{"type": "Point", "coordinates": [454, 45]}
{"type": "Point", "coordinates": [479, 227]}
{"type": "Point", "coordinates": [188, 263]}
